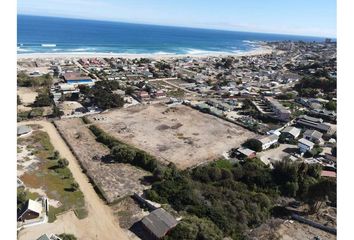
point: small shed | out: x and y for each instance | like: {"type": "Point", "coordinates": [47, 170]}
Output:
{"type": "Point", "coordinates": [159, 223]}
{"type": "Point", "coordinates": [246, 153]}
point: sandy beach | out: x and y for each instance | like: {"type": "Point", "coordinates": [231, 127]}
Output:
{"type": "Point", "coordinates": [25, 56]}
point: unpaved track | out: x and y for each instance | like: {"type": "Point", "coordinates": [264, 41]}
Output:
{"type": "Point", "coordinates": [100, 222]}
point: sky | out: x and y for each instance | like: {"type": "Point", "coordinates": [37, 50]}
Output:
{"type": "Point", "coordinates": [298, 17]}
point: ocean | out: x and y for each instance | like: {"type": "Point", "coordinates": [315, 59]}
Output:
{"type": "Point", "coordinates": [62, 35]}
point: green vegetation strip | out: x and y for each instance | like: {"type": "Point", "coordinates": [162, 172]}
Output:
{"type": "Point", "coordinates": [54, 177]}
{"type": "Point", "coordinates": [122, 152]}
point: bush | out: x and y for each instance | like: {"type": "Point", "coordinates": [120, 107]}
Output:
{"type": "Point", "coordinates": [36, 112]}
{"type": "Point", "coordinates": [63, 163]}
{"type": "Point", "coordinates": [253, 144]}
{"type": "Point", "coordinates": [121, 152]}
{"type": "Point", "coordinates": [65, 236]}
{"type": "Point", "coordinates": [331, 106]}
{"type": "Point", "coordinates": [43, 100]}
{"type": "Point", "coordinates": [23, 80]}
{"type": "Point", "coordinates": [192, 227]}
{"type": "Point", "coordinates": [74, 186]}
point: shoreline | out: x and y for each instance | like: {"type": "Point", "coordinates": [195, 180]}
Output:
{"type": "Point", "coordinates": [64, 55]}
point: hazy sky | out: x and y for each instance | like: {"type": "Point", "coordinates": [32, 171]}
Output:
{"type": "Point", "coordinates": [301, 17]}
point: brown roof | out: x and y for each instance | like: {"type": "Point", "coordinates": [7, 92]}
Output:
{"type": "Point", "coordinates": [74, 76]}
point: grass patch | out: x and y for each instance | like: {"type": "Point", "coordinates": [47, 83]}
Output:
{"type": "Point", "coordinates": [176, 93]}
{"type": "Point", "coordinates": [222, 163]}
{"type": "Point", "coordinates": [54, 180]}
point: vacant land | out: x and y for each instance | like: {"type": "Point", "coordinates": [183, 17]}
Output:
{"type": "Point", "coordinates": [114, 180]}
{"type": "Point", "coordinates": [40, 173]}
{"type": "Point", "coordinates": [100, 222]}
{"type": "Point", "coordinates": [288, 230]}
{"type": "Point", "coordinates": [178, 134]}
{"type": "Point", "coordinates": [27, 95]}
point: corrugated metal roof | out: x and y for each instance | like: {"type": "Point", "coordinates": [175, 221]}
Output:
{"type": "Point", "coordinates": [159, 222]}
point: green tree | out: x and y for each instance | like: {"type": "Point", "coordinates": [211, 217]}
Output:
{"type": "Point", "coordinates": [56, 112]}
{"type": "Point", "coordinates": [321, 191]}
{"type": "Point", "coordinates": [62, 163]}
{"type": "Point", "coordinates": [194, 228]}
{"type": "Point", "coordinates": [74, 186]}
{"type": "Point", "coordinates": [253, 144]}
{"type": "Point", "coordinates": [42, 100]}
{"type": "Point", "coordinates": [331, 106]}
{"type": "Point", "coordinates": [22, 197]}
{"type": "Point", "coordinates": [123, 154]}
{"type": "Point", "coordinates": [56, 154]}
{"type": "Point", "coordinates": [65, 236]}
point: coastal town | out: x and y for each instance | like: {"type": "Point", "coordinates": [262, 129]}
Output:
{"type": "Point", "coordinates": [111, 145]}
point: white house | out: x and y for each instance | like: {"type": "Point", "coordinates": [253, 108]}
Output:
{"type": "Point", "coordinates": [268, 141]}
{"type": "Point", "coordinates": [305, 145]}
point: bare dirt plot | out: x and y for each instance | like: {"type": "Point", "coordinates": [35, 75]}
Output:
{"type": "Point", "coordinates": [288, 230]}
{"type": "Point", "coordinates": [277, 154]}
{"type": "Point", "coordinates": [115, 180]}
{"type": "Point", "coordinates": [27, 95]}
{"type": "Point", "coordinates": [178, 134]}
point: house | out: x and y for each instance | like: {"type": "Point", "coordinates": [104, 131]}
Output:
{"type": "Point", "coordinates": [329, 174]}
{"type": "Point", "coordinates": [31, 210]}
{"type": "Point", "coordinates": [158, 223]}
{"type": "Point", "coordinates": [159, 94]}
{"type": "Point", "coordinates": [76, 78]}
{"type": "Point", "coordinates": [142, 95]}
{"type": "Point", "coordinates": [243, 152]}
{"type": "Point", "coordinates": [49, 237]}
{"type": "Point", "coordinates": [305, 145]}
{"type": "Point", "coordinates": [328, 115]}
{"type": "Point", "coordinates": [314, 123]}
{"type": "Point", "coordinates": [279, 110]}
{"type": "Point", "coordinates": [147, 74]}
{"type": "Point", "coordinates": [23, 130]}
{"type": "Point", "coordinates": [268, 141]}
{"type": "Point", "coordinates": [290, 133]}
{"type": "Point", "coordinates": [313, 136]}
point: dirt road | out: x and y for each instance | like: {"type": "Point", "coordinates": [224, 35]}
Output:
{"type": "Point", "coordinates": [100, 222]}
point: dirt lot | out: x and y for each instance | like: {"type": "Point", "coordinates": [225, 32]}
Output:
{"type": "Point", "coordinates": [277, 154]}
{"type": "Point", "coordinates": [115, 180]}
{"type": "Point", "coordinates": [27, 95]}
{"type": "Point", "coordinates": [178, 134]}
{"type": "Point", "coordinates": [288, 230]}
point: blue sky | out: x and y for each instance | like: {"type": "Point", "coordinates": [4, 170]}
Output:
{"type": "Point", "coordinates": [300, 17]}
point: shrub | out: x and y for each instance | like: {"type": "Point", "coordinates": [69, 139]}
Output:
{"type": "Point", "coordinates": [253, 144]}
{"type": "Point", "coordinates": [65, 236]}
{"type": "Point", "coordinates": [62, 163]}
{"type": "Point", "coordinates": [42, 100]}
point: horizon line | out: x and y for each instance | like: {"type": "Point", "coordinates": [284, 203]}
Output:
{"type": "Point", "coordinates": [176, 26]}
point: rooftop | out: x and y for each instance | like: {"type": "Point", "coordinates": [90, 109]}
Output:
{"type": "Point", "coordinates": [306, 142]}
{"type": "Point", "coordinates": [23, 129]}
{"type": "Point", "coordinates": [159, 222]}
